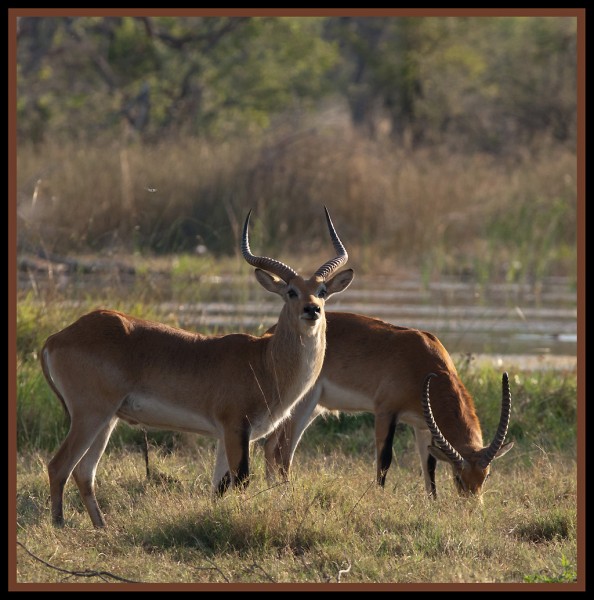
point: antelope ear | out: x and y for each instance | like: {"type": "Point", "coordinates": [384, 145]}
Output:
{"type": "Point", "coordinates": [438, 453]}
{"type": "Point", "coordinates": [270, 282]}
{"type": "Point", "coordinates": [503, 450]}
{"type": "Point", "coordinates": [340, 282]}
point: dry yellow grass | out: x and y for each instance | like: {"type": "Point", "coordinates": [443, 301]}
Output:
{"type": "Point", "coordinates": [330, 524]}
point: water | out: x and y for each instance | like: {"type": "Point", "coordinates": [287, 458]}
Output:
{"type": "Point", "coordinates": [491, 320]}
{"type": "Point", "coordinates": [498, 321]}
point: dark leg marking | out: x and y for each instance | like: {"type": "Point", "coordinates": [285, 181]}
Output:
{"type": "Point", "coordinates": [145, 450]}
{"type": "Point", "coordinates": [243, 471]}
{"type": "Point", "coordinates": [431, 463]}
{"type": "Point", "coordinates": [385, 457]}
{"type": "Point", "coordinates": [224, 483]}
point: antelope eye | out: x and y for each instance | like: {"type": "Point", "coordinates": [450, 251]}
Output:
{"type": "Point", "coordinates": [292, 293]}
{"type": "Point", "coordinates": [322, 293]}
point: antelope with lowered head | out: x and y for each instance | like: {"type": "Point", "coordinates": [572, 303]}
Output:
{"type": "Point", "coordinates": [237, 388]}
{"type": "Point", "coordinates": [373, 366]}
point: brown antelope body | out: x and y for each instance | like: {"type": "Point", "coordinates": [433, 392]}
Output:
{"type": "Point", "coordinates": [108, 366]}
{"type": "Point", "coordinates": [400, 375]}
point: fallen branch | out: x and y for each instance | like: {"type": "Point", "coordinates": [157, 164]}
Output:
{"type": "Point", "coordinates": [255, 566]}
{"type": "Point", "coordinates": [214, 567]}
{"type": "Point", "coordinates": [86, 573]}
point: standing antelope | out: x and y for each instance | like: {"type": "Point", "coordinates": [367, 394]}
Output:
{"type": "Point", "coordinates": [237, 388]}
{"type": "Point", "coordinates": [373, 366]}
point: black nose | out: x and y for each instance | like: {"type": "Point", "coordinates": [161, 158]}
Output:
{"type": "Point", "coordinates": [312, 311]}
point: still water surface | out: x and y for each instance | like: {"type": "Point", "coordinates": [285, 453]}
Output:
{"type": "Point", "coordinates": [533, 324]}
{"type": "Point", "coordinates": [502, 319]}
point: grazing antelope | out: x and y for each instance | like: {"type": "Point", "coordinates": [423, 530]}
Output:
{"type": "Point", "coordinates": [373, 366]}
{"type": "Point", "coordinates": [237, 388]}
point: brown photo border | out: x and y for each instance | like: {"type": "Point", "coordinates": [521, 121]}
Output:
{"type": "Point", "coordinates": [580, 14]}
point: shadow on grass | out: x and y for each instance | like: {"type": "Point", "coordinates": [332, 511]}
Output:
{"type": "Point", "coordinates": [221, 531]}
{"type": "Point", "coordinates": [546, 528]}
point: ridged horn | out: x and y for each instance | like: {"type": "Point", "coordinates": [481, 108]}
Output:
{"type": "Point", "coordinates": [263, 262]}
{"type": "Point", "coordinates": [330, 266]}
{"type": "Point", "coordinates": [447, 448]}
{"type": "Point", "coordinates": [491, 451]}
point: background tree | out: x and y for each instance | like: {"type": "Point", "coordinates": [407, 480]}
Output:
{"type": "Point", "coordinates": [204, 75]}
{"type": "Point", "coordinates": [487, 82]}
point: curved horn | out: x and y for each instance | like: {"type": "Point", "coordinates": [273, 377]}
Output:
{"type": "Point", "coordinates": [263, 262]}
{"type": "Point", "coordinates": [447, 448]}
{"type": "Point", "coordinates": [330, 266]}
{"type": "Point", "coordinates": [491, 451]}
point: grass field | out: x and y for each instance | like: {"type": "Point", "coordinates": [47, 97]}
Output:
{"type": "Point", "coordinates": [329, 524]}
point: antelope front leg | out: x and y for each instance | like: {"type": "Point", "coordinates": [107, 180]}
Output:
{"type": "Point", "coordinates": [277, 453]}
{"type": "Point", "coordinates": [280, 446]}
{"type": "Point", "coordinates": [385, 426]}
{"type": "Point", "coordinates": [221, 479]}
{"type": "Point", "coordinates": [428, 461]}
{"type": "Point", "coordinates": [237, 450]}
